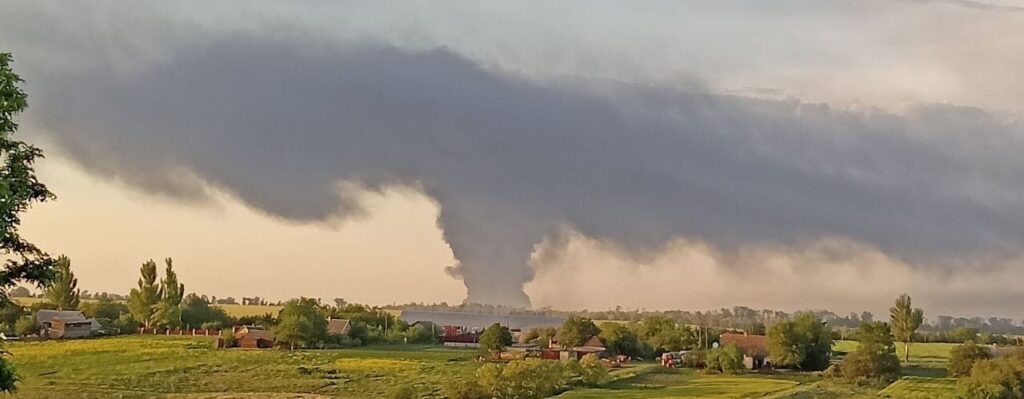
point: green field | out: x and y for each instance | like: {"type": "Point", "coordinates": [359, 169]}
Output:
{"type": "Point", "coordinates": [682, 383]}
{"type": "Point", "coordinates": [157, 366]}
{"type": "Point", "coordinates": [934, 355]}
{"type": "Point", "coordinates": [187, 367]}
{"type": "Point", "coordinates": [921, 387]}
{"type": "Point", "coordinates": [249, 310]}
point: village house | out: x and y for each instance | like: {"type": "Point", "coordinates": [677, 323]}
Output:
{"type": "Point", "coordinates": [65, 324]}
{"type": "Point", "coordinates": [254, 337]}
{"type": "Point", "coordinates": [460, 337]}
{"type": "Point", "coordinates": [754, 347]}
{"type": "Point", "coordinates": [556, 351]}
{"type": "Point", "coordinates": [338, 326]}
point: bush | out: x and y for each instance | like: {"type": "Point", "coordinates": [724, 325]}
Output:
{"type": "Point", "coordinates": [963, 358]}
{"type": "Point", "coordinates": [994, 379]}
{"type": "Point", "coordinates": [495, 338]}
{"type": "Point", "coordinates": [229, 338]}
{"type": "Point", "coordinates": [464, 389]}
{"type": "Point", "coordinates": [523, 379]}
{"type": "Point", "coordinates": [696, 359]}
{"type": "Point", "coordinates": [592, 372]}
{"type": "Point", "coordinates": [124, 324]}
{"type": "Point", "coordinates": [727, 359]}
{"type": "Point", "coordinates": [875, 359]}
{"type": "Point", "coordinates": [26, 326]}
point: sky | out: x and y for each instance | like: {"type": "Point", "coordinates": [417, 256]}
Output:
{"type": "Point", "coordinates": [575, 155]}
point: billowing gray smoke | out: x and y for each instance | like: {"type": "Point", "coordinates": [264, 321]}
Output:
{"type": "Point", "coordinates": [511, 161]}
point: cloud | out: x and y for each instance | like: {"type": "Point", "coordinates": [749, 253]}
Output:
{"type": "Point", "coordinates": [577, 272]}
{"type": "Point", "coordinates": [978, 5]}
{"type": "Point", "coordinates": [280, 120]}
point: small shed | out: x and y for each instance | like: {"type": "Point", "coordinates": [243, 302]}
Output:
{"type": "Point", "coordinates": [254, 337]}
{"type": "Point", "coordinates": [65, 324]}
{"type": "Point", "coordinates": [61, 329]}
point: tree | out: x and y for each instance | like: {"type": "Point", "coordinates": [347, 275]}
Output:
{"type": "Point", "coordinates": [197, 312]}
{"type": "Point", "coordinates": [142, 301]}
{"type": "Point", "coordinates": [619, 339]}
{"type": "Point", "coordinates": [905, 321]}
{"type": "Point", "coordinates": [1001, 378]}
{"type": "Point", "coordinates": [104, 308]}
{"type": "Point", "coordinates": [171, 293]}
{"type": "Point", "coordinates": [495, 338]}
{"type": "Point", "coordinates": [10, 313]}
{"type": "Point", "coordinates": [542, 335]}
{"type": "Point", "coordinates": [875, 358]}
{"type": "Point", "coordinates": [964, 334]}
{"type": "Point", "coordinates": [63, 290]}
{"type": "Point", "coordinates": [19, 189]}
{"type": "Point", "coordinates": [301, 323]}
{"type": "Point", "coordinates": [727, 359]}
{"type": "Point", "coordinates": [803, 342]}
{"type": "Point", "coordinates": [963, 357]}
{"type": "Point", "coordinates": [576, 331]}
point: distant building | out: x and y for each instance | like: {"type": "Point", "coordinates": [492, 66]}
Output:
{"type": "Point", "coordinates": [338, 326]}
{"type": "Point", "coordinates": [64, 324]}
{"type": "Point", "coordinates": [754, 347]}
{"type": "Point", "coordinates": [480, 321]}
{"type": "Point", "coordinates": [428, 326]}
{"type": "Point", "coordinates": [254, 337]}
{"type": "Point", "coordinates": [460, 337]}
{"type": "Point", "coordinates": [556, 351]}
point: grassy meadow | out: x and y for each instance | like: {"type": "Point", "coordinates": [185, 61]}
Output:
{"type": "Point", "coordinates": [190, 367]}
{"type": "Point", "coordinates": [186, 367]}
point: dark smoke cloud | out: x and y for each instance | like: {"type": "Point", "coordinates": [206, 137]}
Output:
{"type": "Point", "coordinates": [511, 161]}
{"type": "Point", "coordinates": [977, 5]}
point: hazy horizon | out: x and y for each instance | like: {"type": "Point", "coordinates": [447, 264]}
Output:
{"type": "Point", "coordinates": [677, 156]}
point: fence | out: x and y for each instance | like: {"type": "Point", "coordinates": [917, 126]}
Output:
{"type": "Point", "coordinates": [195, 332]}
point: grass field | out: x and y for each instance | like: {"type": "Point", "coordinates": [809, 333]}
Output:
{"type": "Point", "coordinates": [185, 367]}
{"type": "Point", "coordinates": [921, 387]}
{"type": "Point", "coordinates": [683, 383]}
{"type": "Point", "coordinates": [249, 310]}
{"type": "Point", "coordinates": [932, 355]}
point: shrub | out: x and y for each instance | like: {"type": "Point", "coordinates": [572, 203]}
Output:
{"type": "Point", "coordinates": [523, 379]}
{"type": "Point", "coordinates": [124, 324]}
{"type": "Point", "coordinates": [875, 359]}
{"type": "Point", "coordinates": [26, 326]}
{"type": "Point", "coordinates": [727, 359]}
{"type": "Point", "coordinates": [696, 359]}
{"type": "Point", "coordinates": [229, 338]}
{"type": "Point", "coordinates": [592, 372]}
{"type": "Point", "coordinates": [464, 389]}
{"type": "Point", "coordinates": [964, 356]}
{"type": "Point", "coordinates": [994, 379]}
